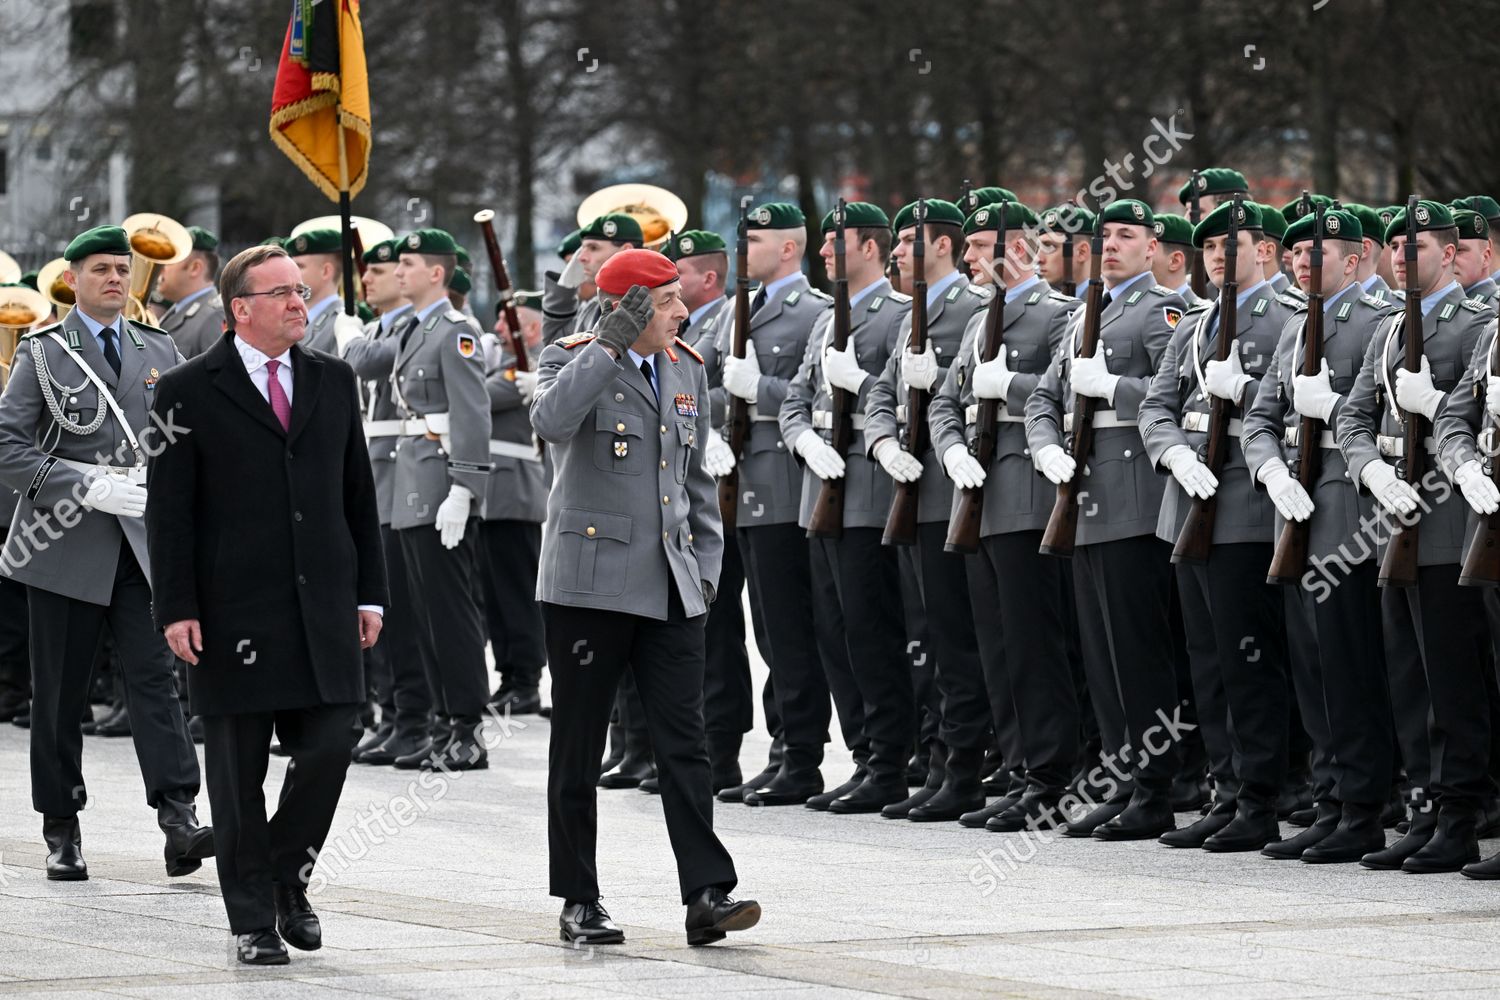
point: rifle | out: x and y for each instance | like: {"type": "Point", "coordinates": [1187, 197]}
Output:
{"type": "Point", "coordinates": [901, 522]}
{"type": "Point", "coordinates": [827, 520]}
{"type": "Point", "coordinates": [506, 293]}
{"type": "Point", "coordinates": [1399, 567]}
{"type": "Point", "coordinates": [1197, 534]}
{"type": "Point", "coordinates": [1481, 566]}
{"type": "Point", "coordinates": [965, 195]}
{"type": "Point", "coordinates": [1069, 286]}
{"type": "Point", "coordinates": [963, 528]}
{"type": "Point", "coordinates": [1195, 214]}
{"type": "Point", "coordinates": [1062, 524]}
{"type": "Point", "coordinates": [1289, 560]}
{"type": "Point", "coordinates": [739, 409]}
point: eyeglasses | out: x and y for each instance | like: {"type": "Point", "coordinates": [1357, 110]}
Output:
{"type": "Point", "coordinates": [281, 292]}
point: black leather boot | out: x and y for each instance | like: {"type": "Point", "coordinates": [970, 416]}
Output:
{"type": "Point", "coordinates": [960, 791]}
{"type": "Point", "coordinates": [1253, 827]}
{"type": "Point", "coordinates": [1454, 844]}
{"type": "Point", "coordinates": [822, 801]}
{"type": "Point", "coordinates": [64, 849]}
{"type": "Point", "coordinates": [937, 769]}
{"type": "Point", "coordinates": [1328, 813]}
{"type": "Point", "coordinates": [1146, 817]}
{"type": "Point", "coordinates": [1359, 832]}
{"type": "Point", "coordinates": [187, 842]}
{"type": "Point", "coordinates": [1421, 824]}
{"type": "Point", "coordinates": [1220, 814]}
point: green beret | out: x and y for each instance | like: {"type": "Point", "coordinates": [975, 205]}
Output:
{"type": "Point", "coordinates": [29, 280]}
{"type": "Point", "coordinates": [775, 215]}
{"type": "Point", "coordinates": [1272, 222]}
{"type": "Point", "coordinates": [1292, 210]}
{"type": "Point", "coordinates": [383, 252]}
{"type": "Point", "coordinates": [526, 299]}
{"type": "Point", "coordinates": [1068, 218]}
{"type": "Point", "coordinates": [938, 212]}
{"type": "Point", "coordinates": [693, 243]}
{"type": "Point", "coordinates": [363, 311]}
{"type": "Point", "coordinates": [1430, 215]}
{"type": "Point", "coordinates": [570, 243]}
{"type": "Point", "coordinates": [314, 241]}
{"type": "Point", "coordinates": [1369, 221]}
{"type": "Point", "coordinates": [1172, 228]}
{"type": "Point", "coordinates": [1338, 224]}
{"type": "Point", "coordinates": [100, 239]}
{"type": "Point", "coordinates": [460, 282]}
{"type": "Point", "coordinates": [1386, 214]}
{"type": "Point", "coordinates": [461, 254]}
{"type": "Point", "coordinates": [433, 241]}
{"type": "Point", "coordinates": [984, 196]}
{"type": "Point", "coordinates": [1471, 225]}
{"type": "Point", "coordinates": [860, 215]}
{"type": "Point", "coordinates": [202, 238]}
{"type": "Point", "coordinates": [614, 226]}
{"type": "Point", "coordinates": [986, 218]}
{"type": "Point", "coordinates": [1128, 210]}
{"type": "Point", "coordinates": [273, 241]}
{"type": "Point", "coordinates": [1481, 203]}
{"type": "Point", "coordinates": [1216, 223]}
{"type": "Point", "coordinates": [1214, 181]}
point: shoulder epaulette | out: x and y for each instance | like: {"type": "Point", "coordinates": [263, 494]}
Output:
{"type": "Point", "coordinates": [1374, 302]}
{"type": "Point", "coordinates": [1476, 305]}
{"type": "Point", "coordinates": [1288, 299]}
{"type": "Point", "coordinates": [42, 329]}
{"type": "Point", "coordinates": [1055, 296]}
{"type": "Point", "coordinates": [896, 296]}
{"type": "Point", "coordinates": [1201, 305]}
{"type": "Point", "coordinates": [688, 347]}
{"type": "Point", "coordinates": [572, 340]}
{"type": "Point", "coordinates": [819, 293]}
{"type": "Point", "coordinates": [1161, 290]}
{"type": "Point", "coordinates": [146, 327]}
{"type": "Point", "coordinates": [979, 292]}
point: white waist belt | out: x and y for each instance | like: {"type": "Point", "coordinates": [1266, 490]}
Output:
{"type": "Point", "coordinates": [515, 449]}
{"type": "Point", "coordinates": [135, 473]}
{"type": "Point", "coordinates": [1198, 421]}
{"type": "Point", "coordinates": [971, 416]}
{"type": "Point", "coordinates": [1103, 420]}
{"type": "Point", "coordinates": [1392, 446]}
{"type": "Point", "coordinates": [383, 428]}
{"type": "Point", "coordinates": [1293, 434]}
{"type": "Point", "coordinates": [823, 420]}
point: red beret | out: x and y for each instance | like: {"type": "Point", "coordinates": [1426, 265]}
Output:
{"type": "Point", "coordinates": [635, 267]}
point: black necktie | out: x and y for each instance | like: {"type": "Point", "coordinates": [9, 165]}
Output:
{"type": "Point", "coordinates": [407, 326]}
{"type": "Point", "coordinates": [1105, 300]}
{"type": "Point", "coordinates": [110, 353]}
{"type": "Point", "coordinates": [646, 371]}
{"type": "Point", "coordinates": [758, 301]}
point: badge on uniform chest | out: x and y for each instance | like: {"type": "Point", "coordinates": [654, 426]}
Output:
{"type": "Point", "coordinates": [622, 448]}
{"type": "Point", "coordinates": [152, 378]}
{"type": "Point", "coordinates": [686, 403]}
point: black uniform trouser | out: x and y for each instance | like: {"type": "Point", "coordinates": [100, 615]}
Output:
{"type": "Point", "coordinates": [830, 627]}
{"type": "Point", "coordinates": [15, 657]}
{"type": "Point", "coordinates": [1210, 709]}
{"type": "Point", "coordinates": [65, 639]}
{"type": "Point", "coordinates": [1355, 698]}
{"type": "Point", "coordinates": [252, 852]}
{"type": "Point", "coordinates": [1306, 673]}
{"type": "Point", "coordinates": [780, 578]}
{"type": "Point", "coordinates": [1401, 610]}
{"type": "Point", "coordinates": [1245, 615]}
{"type": "Point", "coordinates": [1020, 600]}
{"type": "Point", "coordinates": [1123, 588]}
{"type": "Point", "coordinates": [1194, 758]}
{"type": "Point", "coordinates": [447, 588]}
{"type": "Point", "coordinates": [406, 642]}
{"type": "Point", "coordinates": [512, 551]}
{"type": "Point", "coordinates": [958, 676]}
{"type": "Point", "coordinates": [919, 651]}
{"type": "Point", "coordinates": [668, 661]}
{"type": "Point", "coordinates": [728, 696]}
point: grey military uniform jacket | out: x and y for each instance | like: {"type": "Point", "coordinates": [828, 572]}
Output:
{"type": "Point", "coordinates": [1123, 486]}
{"type": "Point", "coordinates": [320, 331]}
{"type": "Point", "coordinates": [372, 359]}
{"type": "Point", "coordinates": [561, 312]}
{"type": "Point", "coordinates": [197, 326]}
{"type": "Point", "coordinates": [1383, 292]}
{"type": "Point", "coordinates": [874, 329]}
{"type": "Point", "coordinates": [520, 476]}
{"type": "Point", "coordinates": [440, 372]}
{"type": "Point", "coordinates": [1484, 290]}
{"type": "Point", "coordinates": [1462, 419]}
{"type": "Point", "coordinates": [1176, 411]}
{"type": "Point", "coordinates": [885, 413]}
{"type": "Point", "coordinates": [632, 512]}
{"type": "Point", "coordinates": [1016, 496]}
{"type": "Point", "coordinates": [1450, 332]}
{"type": "Point", "coordinates": [77, 556]}
{"type": "Point", "coordinates": [701, 335]}
{"type": "Point", "coordinates": [1339, 507]}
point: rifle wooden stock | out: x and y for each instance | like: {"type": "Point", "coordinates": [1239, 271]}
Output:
{"type": "Point", "coordinates": [827, 518]}
{"type": "Point", "coordinates": [1399, 566]}
{"type": "Point", "coordinates": [486, 220]}
{"type": "Point", "coordinates": [738, 417]}
{"type": "Point", "coordinates": [1061, 534]}
{"type": "Point", "coordinates": [1481, 567]}
{"type": "Point", "coordinates": [901, 521]}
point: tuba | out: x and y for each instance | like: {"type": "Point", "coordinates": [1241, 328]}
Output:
{"type": "Point", "coordinates": [49, 281]}
{"type": "Point", "coordinates": [10, 271]}
{"type": "Point", "coordinates": [154, 240]}
{"type": "Point", "coordinates": [367, 232]}
{"type": "Point", "coordinates": [21, 308]}
{"type": "Point", "coordinates": [659, 211]}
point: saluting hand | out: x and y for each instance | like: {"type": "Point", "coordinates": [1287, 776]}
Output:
{"type": "Point", "coordinates": [623, 325]}
{"type": "Point", "coordinates": [186, 639]}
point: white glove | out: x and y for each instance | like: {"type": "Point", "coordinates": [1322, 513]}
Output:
{"type": "Point", "coordinates": [113, 493]}
{"type": "Point", "coordinates": [819, 455]}
{"type": "Point", "coordinates": [1492, 395]}
{"type": "Point", "coordinates": [742, 375]}
{"type": "Point", "coordinates": [919, 371]}
{"type": "Point", "coordinates": [1478, 488]}
{"type": "Point", "coordinates": [526, 384]}
{"type": "Point", "coordinates": [842, 369]}
{"type": "Point", "coordinates": [1226, 379]}
{"type": "Point", "coordinates": [489, 343]}
{"type": "Point", "coordinates": [1415, 392]}
{"type": "Point", "coordinates": [718, 459]}
{"type": "Point", "coordinates": [1394, 494]}
{"type": "Point", "coordinates": [1091, 377]}
{"type": "Point", "coordinates": [1187, 469]}
{"type": "Point", "coordinates": [1054, 463]}
{"type": "Point", "coordinates": [572, 276]}
{"type": "Point", "coordinates": [453, 516]}
{"type": "Point", "coordinates": [346, 328]}
{"type": "Point", "coordinates": [992, 378]}
{"type": "Point", "coordinates": [898, 463]}
{"type": "Point", "coordinates": [1291, 500]}
{"type": "Point", "coordinates": [963, 468]}
{"type": "Point", "coordinates": [1314, 394]}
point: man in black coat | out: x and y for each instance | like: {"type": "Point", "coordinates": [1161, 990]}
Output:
{"type": "Point", "coordinates": [268, 578]}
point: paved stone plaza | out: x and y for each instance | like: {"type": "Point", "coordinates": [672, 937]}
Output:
{"type": "Point", "coordinates": [454, 903]}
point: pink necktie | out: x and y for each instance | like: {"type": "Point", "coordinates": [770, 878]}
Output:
{"type": "Point", "coordinates": [280, 405]}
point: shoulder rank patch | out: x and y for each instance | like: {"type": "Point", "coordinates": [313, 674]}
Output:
{"type": "Point", "coordinates": [687, 347]}
{"type": "Point", "coordinates": [44, 329]}
{"type": "Point", "coordinates": [896, 296]}
{"type": "Point", "coordinates": [192, 310]}
{"type": "Point", "coordinates": [875, 304]}
{"type": "Point", "coordinates": [467, 345]}
{"type": "Point", "coordinates": [818, 293]}
{"type": "Point", "coordinates": [977, 291]}
{"type": "Point", "coordinates": [1133, 298]}
{"type": "Point", "coordinates": [1172, 314]}
{"type": "Point", "coordinates": [1448, 311]}
{"type": "Point", "coordinates": [1476, 305]}
{"type": "Point", "coordinates": [1260, 307]}
{"type": "Point", "coordinates": [793, 296]}
{"type": "Point", "coordinates": [1288, 299]}
{"type": "Point", "coordinates": [573, 340]}
{"type": "Point", "coordinates": [1161, 290]}
{"type": "Point", "coordinates": [709, 326]}
{"type": "Point", "coordinates": [1345, 309]}
{"type": "Point", "coordinates": [1033, 298]}
{"type": "Point", "coordinates": [953, 293]}
{"type": "Point", "coordinates": [1373, 301]}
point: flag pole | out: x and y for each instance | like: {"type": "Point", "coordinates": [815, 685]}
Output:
{"type": "Point", "coordinates": [346, 225]}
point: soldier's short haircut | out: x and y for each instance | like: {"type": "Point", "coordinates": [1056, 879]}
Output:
{"type": "Point", "coordinates": [446, 261]}
{"type": "Point", "coordinates": [717, 262]}
{"type": "Point", "coordinates": [1343, 248]}
{"type": "Point", "coordinates": [1446, 236]}
{"type": "Point", "coordinates": [881, 236]}
{"type": "Point", "coordinates": [210, 263]}
{"type": "Point", "coordinates": [955, 236]}
{"type": "Point", "coordinates": [234, 280]}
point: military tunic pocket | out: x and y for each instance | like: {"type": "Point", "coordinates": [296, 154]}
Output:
{"type": "Point", "coordinates": [619, 442]}
{"type": "Point", "coordinates": [593, 552]}
{"type": "Point", "coordinates": [687, 440]}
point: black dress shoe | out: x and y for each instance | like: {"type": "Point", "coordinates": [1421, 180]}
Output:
{"type": "Point", "coordinates": [295, 918]}
{"type": "Point", "coordinates": [870, 797]}
{"type": "Point", "coordinates": [64, 849]}
{"type": "Point", "coordinates": [1359, 832]}
{"type": "Point", "coordinates": [1145, 818]}
{"type": "Point", "coordinates": [1193, 835]}
{"type": "Point", "coordinates": [1486, 870]}
{"type": "Point", "coordinates": [737, 793]}
{"type": "Point", "coordinates": [1085, 825]}
{"type": "Point", "coordinates": [979, 818]}
{"type": "Point", "coordinates": [1303, 817]}
{"type": "Point", "coordinates": [22, 718]}
{"type": "Point", "coordinates": [711, 914]}
{"type": "Point", "coordinates": [421, 751]}
{"type": "Point", "coordinates": [1189, 793]}
{"type": "Point", "coordinates": [786, 789]}
{"type": "Point", "coordinates": [960, 791]}
{"type": "Point", "coordinates": [466, 752]}
{"type": "Point", "coordinates": [902, 809]}
{"type": "Point", "coordinates": [588, 923]}
{"type": "Point", "coordinates": [1253, 827]}
{"type": "Point", "coordinates": [395, 746]}
{"type": "Point", "coordinates": [1420, 828]}
{"type": "Point", "coordinates": [1487, 819]}
{"type": "Point", "coordinates": [1452, 846]}
{"type": "Point", "coordinates": [261, 948]}
{"type": "Point", "coordinates": [917, 769]}
{"type": "Point", "coordinates": [1328, 813]}
{"type": "Point", "coordinates": [1038, 809]}
{"type": "Point", "coordinates": [1293, 796]}
{"type": "Point", "coordinates": [631, 772]}
{"type": "Point", "coordinates": [382, 732]}
{"type": "Point", "coordinates": [188, 844]}
{"type": "Point", "coordinates": [824, 801]}
{"type": "Point", "coordinates": [12, 703]}
{"type": "Point", "coordinates": [1394, 810]}
{"type": "Point", "coordinates": [651, 785]}
{"type": "Point", "coordinates": [522, 701]}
